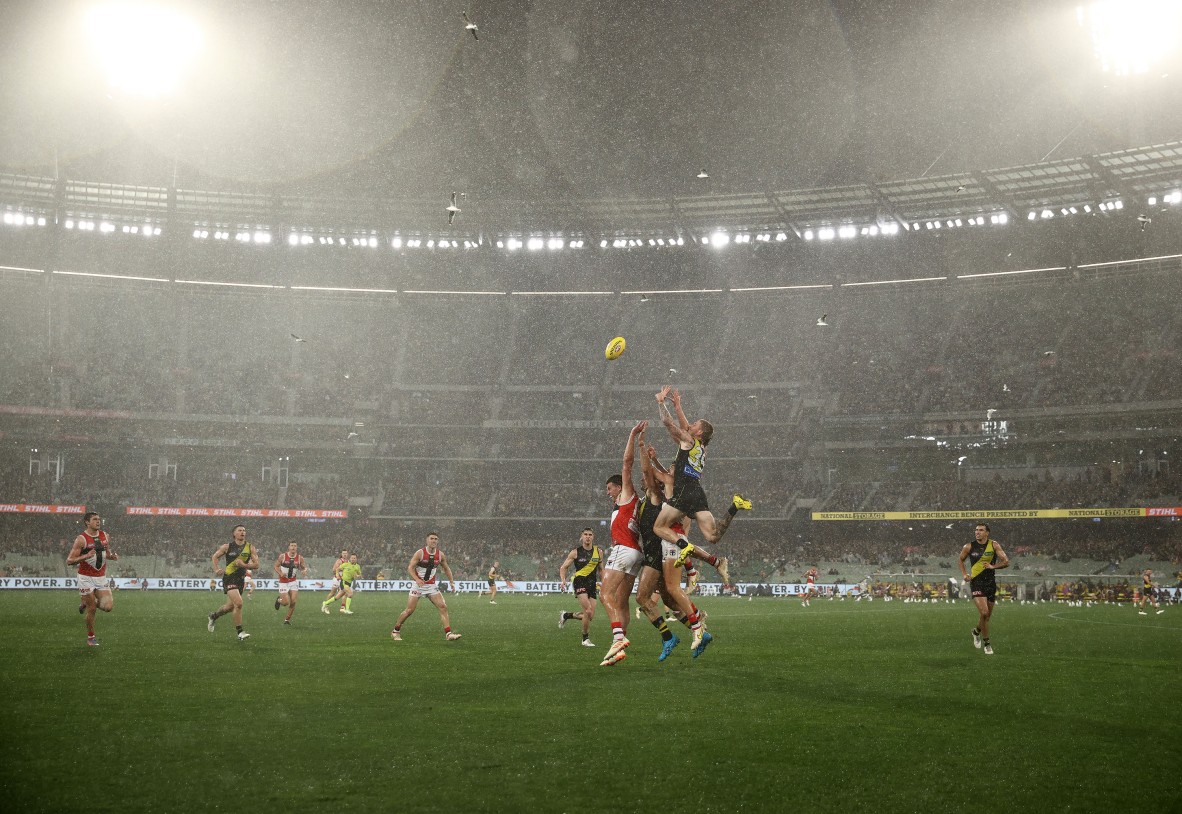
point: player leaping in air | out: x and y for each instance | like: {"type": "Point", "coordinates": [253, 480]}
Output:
{"type": "Point", "coordinates": [688, 498]}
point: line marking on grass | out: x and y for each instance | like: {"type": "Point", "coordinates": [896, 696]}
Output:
{"type": "Point", "coordinates": [1113, 624]}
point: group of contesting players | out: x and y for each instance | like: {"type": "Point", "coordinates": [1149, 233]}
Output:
{"type": "Point", "coordinates": [649, 537]}
{"type": "Point", "coordinates": [649, 533]}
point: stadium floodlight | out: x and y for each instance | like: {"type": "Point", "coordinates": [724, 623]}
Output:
{"type": "Point", "coordinates": [719, 239]}
{"type": "Point", "coordinates": [826, 234]}
{"type": "Point", "coordinates": [1132, 37]}
{"type": "Point", "coordinates": [846, 232]}
{"type": "Point", "coordinates": [144, 49]}
{"type": "Point", "coordinates": [603, 243]}
{"type": "Point", "coordinates": [513, 244]}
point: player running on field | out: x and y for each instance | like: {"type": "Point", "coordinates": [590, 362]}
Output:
{"type": "Point", "coordinates": [423, 569]}
{"type": "Point", "coordinates": [1148, 592]}
{"type": "Point", "coordinates": [985, 557]}
{"type": "Point", "coordinates": [586, 558]}
{"type": "Point", "coordinates": [810, 587]}
{"type": "Point", "coordinates": [240, 555]}
{"type": "Point", "coordinates": [285, 568]}
{"type": "Point", "coordinates": [688, 498]}
{"type": "Point", "coordinates": [90, 552]}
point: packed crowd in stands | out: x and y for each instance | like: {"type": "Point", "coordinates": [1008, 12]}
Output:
{"type": "Point", "coordinates": [893, 353]}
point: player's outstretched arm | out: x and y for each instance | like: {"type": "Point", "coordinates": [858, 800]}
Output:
{"type": "Point", "coordinates": [627, 489]}
{"type": "Point", "coordinates": [682, 421]}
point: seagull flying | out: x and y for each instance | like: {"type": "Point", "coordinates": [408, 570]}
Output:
{"type": "Point", "coordinates": [949, 526]}
{"type": "Point", "coordinates": [1048, 353]}
{"type": "Point", "coordinates": [471, 26]}
{"type": "Point", "coordinates": [351, 436]}
{"type": "Point", "coordinates": [452, 210]}
{"type": "Point", "coordinates": [1144, 220]}
{"type": "Point", "coordinates": [672, 371]}
{"type": "Point", "coordinates": [298, 338]}
{"type": "Point", "coordinates": [703, 174]}
{"type": "Point", "coordinates": [1005, 388]}
{"type": "Point", "coordinates": [961, 188]}
{"type": "Point", "coordinates": [821, 323]}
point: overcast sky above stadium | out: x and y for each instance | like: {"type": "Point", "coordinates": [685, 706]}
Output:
{"type": "Point", "coordinates": [574, 98]}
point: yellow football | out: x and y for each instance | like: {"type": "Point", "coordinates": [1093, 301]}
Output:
{"type": "Point", "coordinates": [614, 348]}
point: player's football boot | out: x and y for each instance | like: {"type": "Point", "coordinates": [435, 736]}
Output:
{"type": "Point", "coordinates": [742, 503]}
{"type": "Point", "coordinates": [667, 648]}
{"type": "Point", "coordinates": [701, 647]}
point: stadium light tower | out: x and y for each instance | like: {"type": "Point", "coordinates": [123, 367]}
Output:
{"type": "Point", "coordinates": [144, 49]}
{"type": "Point", "coordinates": [1132, 36]}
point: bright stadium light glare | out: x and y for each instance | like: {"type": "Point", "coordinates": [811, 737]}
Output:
{"type": "Point", "coordinates": [145, 50]}
{"type": "Point", "coordinates": [1132, 36]}
{"type": "Point", "coordinates": [719, 239]}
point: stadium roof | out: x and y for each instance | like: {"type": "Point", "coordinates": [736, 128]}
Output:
{"type": "Point", "coordinates": [591, 116]}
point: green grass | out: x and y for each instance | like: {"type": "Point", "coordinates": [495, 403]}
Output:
{"type": "Point", "coordinates": [838, 706]}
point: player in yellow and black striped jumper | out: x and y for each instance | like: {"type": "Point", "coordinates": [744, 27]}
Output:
{"type": "Point", "coordinates": [240, 555]}
{"type": "Point", "coordinates": [493, 575]}
{"type": "Point", "coordinates": [1148, 593]}
{"type": "Point", "coordinates": [586, 558]}
{"type": "Point", "coordinates": [984, 556]}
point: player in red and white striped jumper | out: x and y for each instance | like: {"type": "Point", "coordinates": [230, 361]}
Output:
{"type": "Point", "coordinates": [423, 568]}
{"type": "Point", "coordinates": [625, 560]}
{"type": "Point", "coordinates": [90, 552]}
{"type": "Point", "coordinates": [286, 566]}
